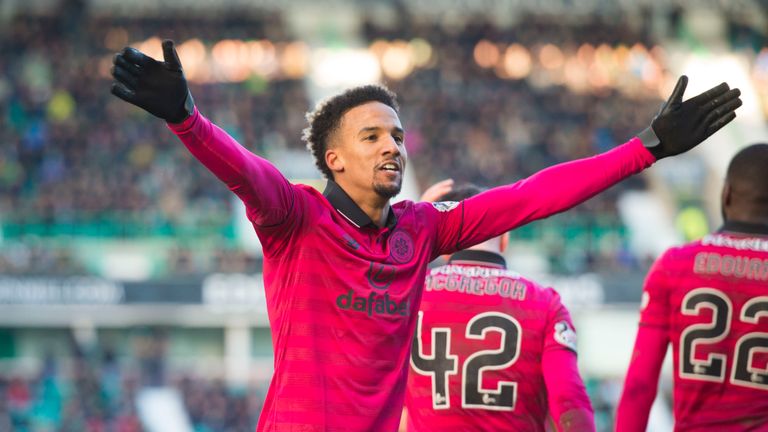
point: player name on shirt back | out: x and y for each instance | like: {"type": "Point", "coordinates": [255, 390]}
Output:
{"type": "Point", "coordinates": [747, 267]}
{"type": "Point", "coordinates": [477, 281]}
{"type": "Point", "coordinates": [756, 244]}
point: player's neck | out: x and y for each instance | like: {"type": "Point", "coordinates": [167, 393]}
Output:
{"type": "Point", "coordinates": [747, 217]}
{"type": "Point", "coordinates": [377, 214]}
{"type": "Point", "coordinates": [371, 203]}
{"type": "Point", "coordinates": [748, 223]}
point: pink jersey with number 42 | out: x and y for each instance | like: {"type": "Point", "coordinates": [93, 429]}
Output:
{"type": "Point", "coordinates": [476, 359]}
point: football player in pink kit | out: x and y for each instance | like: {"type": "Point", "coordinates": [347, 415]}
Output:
{"type": "Point", "coordinates": [344, 269]}
{"type": "Point", "coordinates": [709, 299]}
{"type": "Point", "coordinates": [492, 350]}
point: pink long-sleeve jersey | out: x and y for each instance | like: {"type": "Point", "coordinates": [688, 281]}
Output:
{"type": "Point", "coordinates": [709, 300]}
{"type": "Point", "coordinates": [343, 293]}
{"type": "Point", "coordinates": [493, 351]}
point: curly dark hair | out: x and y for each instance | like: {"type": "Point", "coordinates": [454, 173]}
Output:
{"type": "Point", "coordinates": [326, 116]}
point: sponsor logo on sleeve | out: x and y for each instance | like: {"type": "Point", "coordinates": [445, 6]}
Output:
{"type": "Point", "coordinates": [644, 300]}
{"type": "Point", "coordinates": [444, 206]}
{"type": "Point", "coordinates": [565, 335]}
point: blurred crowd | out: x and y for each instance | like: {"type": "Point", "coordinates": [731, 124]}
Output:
{"type": "Point", "coordinates": [72, 153]}
{"type": "Point", "coordinates": [75, 160]}
{"type": "Point", "coordinates": [99, 392]}
{"type": "Point", "coordinates": [104, 400]}
{"type": "Point", "coordinates": [85, 399]}
{"type": "Point", "coordinates": [467, 123]}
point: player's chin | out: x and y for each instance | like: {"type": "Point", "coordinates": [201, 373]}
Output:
{"type": "Point", "coordinates": [387, 189]}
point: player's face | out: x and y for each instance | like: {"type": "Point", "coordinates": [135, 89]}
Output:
{"type": "Point", "coordinates": [369, 151]}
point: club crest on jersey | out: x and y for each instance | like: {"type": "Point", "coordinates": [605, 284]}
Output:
{"type": "Point", "coordinates": [565, 335]}
{"type": "Point", "coordinates": [444, 206]}
{"type": "Point", "coordinates": [400, 246]}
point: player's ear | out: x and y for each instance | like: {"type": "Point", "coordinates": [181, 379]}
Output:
{"type": "Point", "coordinates": [504, 242]}
{"type": "Point", "coordinates": [726, 199]}
{"type": "Point", "coordinates": [334, 160]}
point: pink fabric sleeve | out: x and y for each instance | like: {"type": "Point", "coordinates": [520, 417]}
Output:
{"type": "Point", "coordinates": [267, 194]}
{"type": "Point", "coordinates": [550, 191]}
{"type": "Point", "coordinates": [569, 404]}
{"type": "Point", "coordinates": [654, 305]}
{"type": "Point", "coordinates": [642, 379]}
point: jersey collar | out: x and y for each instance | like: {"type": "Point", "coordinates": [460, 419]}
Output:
{"type": "Point", "coordinates": [478, 257]}
{"type": "Point", "coordinates": [350, 210]}
{"type": "Point", "coordinates": [744, 228]}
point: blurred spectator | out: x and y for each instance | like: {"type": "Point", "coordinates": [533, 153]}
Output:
{"type": "Point", "coordinates": [98, 393]}
{"type": "Point", "coordinates": [70, 163]}
{"type": "Point", "coordinates": [467, 123]}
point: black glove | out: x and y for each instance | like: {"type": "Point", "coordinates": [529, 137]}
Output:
{"type": "Point", "coordinates": [681, 126]}
{"type": "Point", "coordinates": [157, 87]}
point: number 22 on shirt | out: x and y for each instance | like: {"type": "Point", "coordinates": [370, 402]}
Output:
{"type": "Point", "coordinates": [744, 371]}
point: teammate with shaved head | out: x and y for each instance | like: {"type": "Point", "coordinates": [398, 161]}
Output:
{"type": "Point", "coordinates": [493, 351]}
{"type": "Point", "coordinates": [709, 299]}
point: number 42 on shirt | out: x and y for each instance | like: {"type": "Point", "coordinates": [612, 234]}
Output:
{"type": "Point", "coordinates": [441, 363]}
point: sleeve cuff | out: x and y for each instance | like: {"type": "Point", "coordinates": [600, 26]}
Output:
{"type": "Point", "coordinates": [645, 153]}
{"type": "Point", "coordinates": [648, 137]}
{"type": "Point", "coordinates": [187, 124]}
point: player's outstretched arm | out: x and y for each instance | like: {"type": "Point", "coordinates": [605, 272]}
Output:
{"type": "Point", "coordinates": [642, 379]}
{"type": "Point", "coordinates": [160, 88]}
{"type": "Point", "coordinates": [679, 127]}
